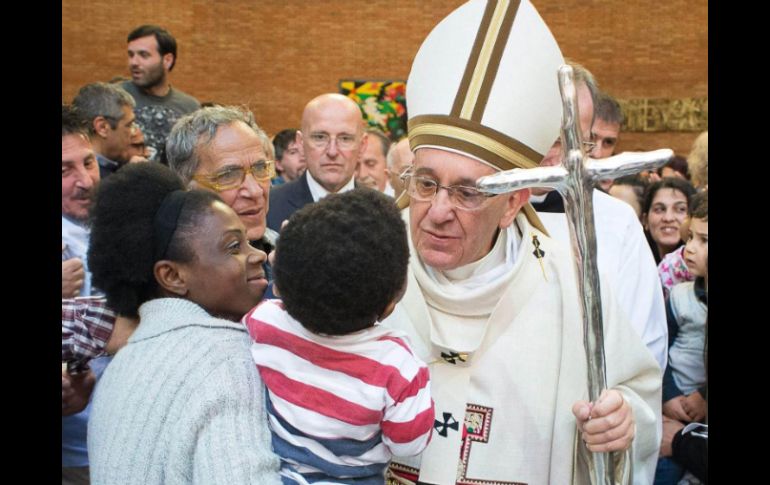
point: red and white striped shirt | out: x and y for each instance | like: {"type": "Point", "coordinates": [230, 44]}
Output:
{"type": "Point", "coordinates": [339, 405]}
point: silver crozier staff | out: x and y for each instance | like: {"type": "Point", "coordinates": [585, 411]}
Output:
{"type": "Point", "coordinates": [574, 180]}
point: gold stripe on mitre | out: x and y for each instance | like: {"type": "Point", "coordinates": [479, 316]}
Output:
{"type": "Point", "coordinates": [483, 142]}
{"type": "Point", "coordinates": [484, 61]}
{"type": "Point", "coordinates": [477, 141]}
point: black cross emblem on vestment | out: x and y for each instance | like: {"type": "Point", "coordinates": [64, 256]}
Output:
{"type": "Point", "coordinates": [449, 422]}
{"type": "Point", "coordinates": [453, 357]}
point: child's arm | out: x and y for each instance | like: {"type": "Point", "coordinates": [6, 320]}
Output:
{"type": "Point", "coordinates": [408, 423]}
{"type": "Point", "coordinates": [86, 326]}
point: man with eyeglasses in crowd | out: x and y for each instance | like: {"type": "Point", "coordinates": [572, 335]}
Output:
{"type": "Point", "coordinates": [221, 148]}
{"type": "Point", "coordinates": [491, 301]}
{"type": "Point", "coordinates": [400, 156]}
{"type": "Point", "coordinates": [109, 113]}
{"type": "Point", "coordinates": [333, 139]}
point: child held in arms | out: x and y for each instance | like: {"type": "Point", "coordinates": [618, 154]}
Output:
{"type": "Point", "coordinates": [344, 393]}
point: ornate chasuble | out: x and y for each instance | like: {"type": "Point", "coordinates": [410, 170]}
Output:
{"type": "Point", "coordinates": [505, 380]}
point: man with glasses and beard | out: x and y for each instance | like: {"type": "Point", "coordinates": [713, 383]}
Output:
{"type": "Point", "coordinates": [151, 57]}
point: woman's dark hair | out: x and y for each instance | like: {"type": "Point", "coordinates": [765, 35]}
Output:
{"type": "Point", "coordinates": [340, 262]}
{"type": "Point", "coordinates": [122, 253]}
{"type": "Point", "coordinates": [675, 183]}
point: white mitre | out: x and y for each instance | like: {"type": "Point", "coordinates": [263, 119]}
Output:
{"type": "Point", "coordinates": [484, 84]}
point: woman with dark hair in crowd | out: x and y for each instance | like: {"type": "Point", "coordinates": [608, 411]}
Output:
{"type": "Point", "coordinates": [182, 401]}
{"type": "Point", "coordinates": [663, 212]}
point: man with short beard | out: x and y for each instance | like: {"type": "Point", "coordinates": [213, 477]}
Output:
{"type": "Point", "coordinates": [151, 57]}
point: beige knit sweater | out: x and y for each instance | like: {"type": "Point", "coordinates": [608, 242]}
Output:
{"type": "Point", "coordinates": [182, 402]}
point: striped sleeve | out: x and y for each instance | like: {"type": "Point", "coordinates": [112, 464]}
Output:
{"type": "Point", "coordinates": [407, 424]}
{"type": "Point", "coordinates": [336, 402]}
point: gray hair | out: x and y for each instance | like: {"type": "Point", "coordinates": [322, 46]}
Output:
{"type": "Point", "coordinates": [71, 122]}
{"type": "Point", "coordinates": [197, 129]}
{"type": "Point", "coordinates": [384, 140]}
{"type": "Point", "coordinates": [393, 153]}
{"type": "Point", "coordinates": [390, 155]}
{"type": "Point", "coordinates": [607, 109]}
{"type": "Point", "coordinates": [102, 99]}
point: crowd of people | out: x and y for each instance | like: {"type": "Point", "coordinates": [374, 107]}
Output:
{"type": "Point", "coordinates": [314, 308]}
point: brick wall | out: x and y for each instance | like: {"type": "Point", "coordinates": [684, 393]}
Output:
{"type": "Point", "coordinates": [275, 55]}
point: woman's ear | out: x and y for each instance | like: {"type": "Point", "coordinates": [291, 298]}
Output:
{"type": "Point", "coordinates": [171, 277]}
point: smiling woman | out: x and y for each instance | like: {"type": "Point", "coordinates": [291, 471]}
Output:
{"type": "Point", "coordinates": [664, 210]}
{"type": "Point", "coordinates": [180, 260]}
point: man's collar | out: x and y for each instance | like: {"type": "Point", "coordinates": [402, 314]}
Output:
{"type": "Point", "coordinates": [148, 92]}
{"type": "Point", "coordinates": [318, 192]}
{"type": "Point", "coordinates": [69, 221]}
{"type": "Point", "coordinates": [106, 162]}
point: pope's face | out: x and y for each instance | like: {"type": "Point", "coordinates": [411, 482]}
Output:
{"type": "Point", "coordinates": [445, 236]}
